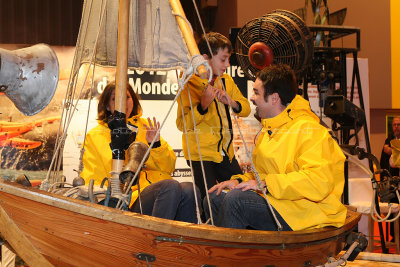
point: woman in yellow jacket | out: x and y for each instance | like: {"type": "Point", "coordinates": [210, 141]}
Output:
{"type": "Point", "coordinates": [160, 195]}
{"type": "Point", "coordinates": [298, 161]}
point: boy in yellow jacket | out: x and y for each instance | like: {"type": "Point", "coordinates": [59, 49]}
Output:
{"type": "Point", "coordinates": [298, 161]}
{"type": "Point", "coordinates": [211, 106]}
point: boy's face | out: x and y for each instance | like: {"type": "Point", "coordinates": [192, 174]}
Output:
{"type": "Point", "coordinates": [220, 62]}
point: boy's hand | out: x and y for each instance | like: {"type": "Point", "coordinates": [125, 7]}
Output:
{"type": "Point", "coordinates": [224, 98]}
{"type": "Point", "coordinates": [209, 93]}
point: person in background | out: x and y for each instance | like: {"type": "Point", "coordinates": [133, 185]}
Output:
{"type": "Point", "coordinates": [160, 195]}
{"type": "Point", "coordinates": [298, 162]}
{"type": "Point", "coordinates": [211, 107]}
{"type": "Point", "coordinates": [387, 150]}
{"type": "Point", "coordinates": [385, 160]}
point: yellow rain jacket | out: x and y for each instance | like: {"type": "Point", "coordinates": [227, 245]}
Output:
{"type": "Point", "coordinates": [97, 158]}
{"type": "Point", "coordinates": [302, 166]}
{"type": "Point", "coordinates": [214, 128]}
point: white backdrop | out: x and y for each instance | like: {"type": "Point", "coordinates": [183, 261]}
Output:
{"type": "Point", "coordinates": [157, 91]}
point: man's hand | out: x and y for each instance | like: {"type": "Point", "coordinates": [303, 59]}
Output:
{"type": "Point", "coordinates": [387, 149]}
{"type": "Point", "coordinates": [249, 185]}
{"type": "Point", "coordinates": [208, 96]}
{"type": "Point", "coordinates": [230, 184]}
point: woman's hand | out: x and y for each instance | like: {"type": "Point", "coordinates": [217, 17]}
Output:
{"type": "Point", "coordinates": [151, 130]}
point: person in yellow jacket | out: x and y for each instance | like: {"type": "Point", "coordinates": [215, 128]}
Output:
{"type": "Point", "coordinates": [160, 195]}
{"type": "Point", "coordinates": [211, 107]}
{"type": "Point", "coordinates": [298, 161]}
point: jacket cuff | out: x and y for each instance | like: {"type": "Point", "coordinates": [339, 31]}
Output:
{"type": "Point", "coordinates": [200, 109]}
{"type": "Point", "coordinates": [239, 108]}
{"type": "Point", "coordinates": [156, 144]}
{"type": "Point", "coordinates": [159, 150]}
{"type": "Point", "coordinates": [239, 180]}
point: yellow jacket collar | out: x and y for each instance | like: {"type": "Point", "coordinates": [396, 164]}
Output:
{"type": "Point", "coordinates": [132, 119]}
{"type": "Point", "coordinates": [298, 107]}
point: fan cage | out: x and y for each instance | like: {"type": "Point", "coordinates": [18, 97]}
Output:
{"type": "Point", "coordinates": [307, 37]}
{"type": "Point", "coordinates": [285, 33]}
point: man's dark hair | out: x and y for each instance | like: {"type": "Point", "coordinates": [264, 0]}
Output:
{"type": "Point", "coordinates": [216, 41]}
{"type": "Point", "coordinates": [279, 78]}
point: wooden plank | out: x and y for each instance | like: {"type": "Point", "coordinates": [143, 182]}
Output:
{"type": "Point", "coordinates": [19, 242]}
{"type": "Point", "coordinates": [366, 259]}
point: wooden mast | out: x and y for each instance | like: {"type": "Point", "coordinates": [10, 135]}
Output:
{"type": "Point", "coordinates": [121, 76]}
{"type": "Point", "coordinates": [187, 34]}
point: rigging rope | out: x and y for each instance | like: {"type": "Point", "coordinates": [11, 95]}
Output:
{"type": "Point", "coordinates": [256, 174]}
{"type": "Point", "coordinates": [87, 122]}
{"type": "Point", "coordinates": [185, 19]}
{"type": "Point", "coordinates": [195, 61]}
{"type": "Point", "coordinates": [181, 86]}
{"type": "Point", "coordinates": [69, 101]}
{"type": "Point", "coordinates": [373, 212]}
{"type": "Point", "coordinates": [198, 147]}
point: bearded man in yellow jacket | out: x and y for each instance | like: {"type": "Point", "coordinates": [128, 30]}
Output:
{"type": "Point", "coordinates": [297, 160]}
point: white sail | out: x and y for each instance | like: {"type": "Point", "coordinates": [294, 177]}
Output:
{"type": "Point", "coordinates": [155, 41]}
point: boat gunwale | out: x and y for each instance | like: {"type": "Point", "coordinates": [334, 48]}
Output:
{"type": "Point", "coordinates": [170, 227]}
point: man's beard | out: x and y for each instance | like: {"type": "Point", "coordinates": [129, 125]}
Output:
{"type": "Point", "coordinates": [256, 115]}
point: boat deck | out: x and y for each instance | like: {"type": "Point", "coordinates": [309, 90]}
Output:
{"type": "Point", "coordinates": [365, 259]}
{"type": "Point", "coordinates": [363, 263]}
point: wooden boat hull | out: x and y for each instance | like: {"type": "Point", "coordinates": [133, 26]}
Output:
{"type": "Point", "coordinates": [71, 232]}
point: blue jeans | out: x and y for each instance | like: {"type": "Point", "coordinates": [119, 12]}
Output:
{"type": "Point", "coordinates": [242, 210]}
{"type": "Point", "coordinates": [214, 172]}
{"type": "Point", "coordinates": [169, 199]}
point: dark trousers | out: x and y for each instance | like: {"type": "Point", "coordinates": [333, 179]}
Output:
{"type": "Point", "coordinates": [242, 210]}
{"type": "Point", "coordinates": [214, 172]}
{"type": "Point", "coordinates": [169, 199]}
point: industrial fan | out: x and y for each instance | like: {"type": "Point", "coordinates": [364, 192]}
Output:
{"type": "Point", "coordinates": [277, 37]}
